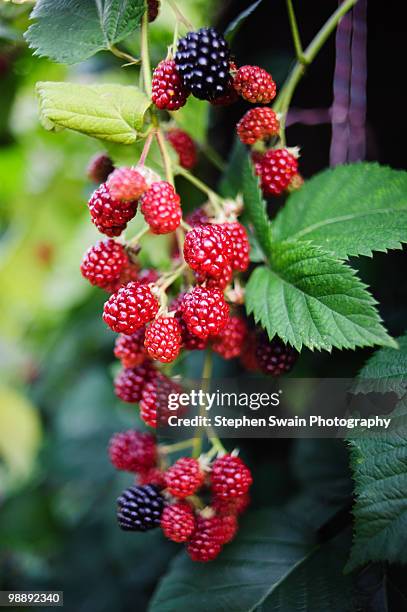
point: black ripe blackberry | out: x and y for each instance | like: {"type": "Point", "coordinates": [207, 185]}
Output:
{"type": "Point", "coordinates": [202, 60]}
{"type": "Point", "coordinates": [140, 508]}
{"type": "Point", "coordinates": [274, 357]}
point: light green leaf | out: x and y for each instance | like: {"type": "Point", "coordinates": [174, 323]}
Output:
{"type": "Point", "coordinates": [348, 210]}
{"type": "Point", "coordinates": [255, 207]}
{"type": "Point", "coordinates": [109, 112]}
{"type": "Point", "coordinates": [309, 298]}
{"type": "Point", "coordinates": [70, 31]}
{"type": "Point", "coordinates": [317, 584]}
{"type": "Point", "coordinates": [237, 23]}
{"type": "Point", "coordinates": [379, 465]}
{"type": "Point", "coordinates": [385, 371]}
{"type": "Point", "coordinates": [268, 549]}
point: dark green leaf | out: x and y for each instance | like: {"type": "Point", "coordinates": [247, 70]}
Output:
{"type": "Point", "coordinates": [70, 31]}
{"type": "Point", "coordinates": [231, 182]}
{"type": "Point", "coordinates": [237, 23]}
{"type": "Point", "coordinates": [255, 207]}
{"type": "Point", "coordinates": [309, 298]}
{"type": "Point", "coordinates": [348, 210]}
{"type": "Point", "coordinates": [385, 371]}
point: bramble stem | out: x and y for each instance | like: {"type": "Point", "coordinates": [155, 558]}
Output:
{"type": "Point", "coordinates": [173, 448]}
{"type": "Point", "coordinates": [134, 241]}
{"type": "Point", "coordinates": [146, 149]}
{"type": "Point", "coordinates": [165, 155]}
{"type": "Point", "coordinates": [180, 16]}
{"type": "Point", "coordinates": [212, 195]}
{"type": "Point", "coordinates": [123, 55]}
{"type": "Point", "coordinates": [145, 55]}
{"type": "Point", "coordinates": [295, 33]}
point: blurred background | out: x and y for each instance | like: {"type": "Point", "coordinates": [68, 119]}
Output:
{"type": "Point", "coordinates": [57, 407]}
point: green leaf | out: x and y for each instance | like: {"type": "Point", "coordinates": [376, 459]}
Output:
{"type": "Point", "coordinates": [269, 547]}
{"type": "Point", "coordinates": [70, 31]}
{"type": "Point", "coordinates": [385, 371]}
{"type": "Point", "coordinates": [255, 207]}
{"type": "Point", "coordinates": [348, 210]}
{"type": "Point", "coordinates": [309, 298]}
{"type": "Point", "coordinates": [317, 584]}
{"type": "Point", "coordinates": [237, 23]}
{"type": "Point", "coordinates": [109, 112]}
{"type": "Point", "coordinates": [231, 182]}
{"type": "Point", "coordinates": [379, 465]}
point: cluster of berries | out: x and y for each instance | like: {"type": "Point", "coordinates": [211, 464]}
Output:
{"type": "Point", "coordinates": [194, 501]}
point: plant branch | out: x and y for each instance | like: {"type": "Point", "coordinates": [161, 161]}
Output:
{"type": "Point", "coordinates": [123, 55]}
{"type": "Point", "coordinates": [165, 155]}
{"type": "Point", "coordinates": [295, 33]}
{"type": "Point", "coordinates": [212, 195]}
{"type": "Point", "coordinates": [180, 16]}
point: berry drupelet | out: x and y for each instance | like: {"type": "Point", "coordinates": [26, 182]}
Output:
{"type": "Point", "coordinates": [163, 339]}
{"type": "Point", "coordinates": [168, 91]}
{"type": "Point", "coordinates": [130, 349]}
{"type": "Point", "coordinates": [133, 451]}
{"type": "Point", "coordinates": [183, 144]}
{"type": "Point", "coordinates": [161, 207]}
{"type": "Point", "coordinates": [205, 311]}
{"type": "Point", "coordinates": [130, 308]}
{"type": "Point", "coordinates": [208, 249]}
{"type": "Point", "coordinates": [140, 508]}
{"type": "Point", "coordinates": [184, 477]}
{"type": "Point", "coordinates": [254, 84]}
{"type": "Point", "coordinates": [276, 170]}
{"type": "Point", "coordinates": [178, 522]}
{"type": "Point", "coordinates": [230, 477]}
{"type": "Point", "coordinates": [103, 263]}
{"type": "Point", "coordinates": [129, 384]}
{"type": "Point", "coordinates": [202, 59]}
{"type": "Point", "coordinates": [258, 124]}
{"type": "Point", "coordinates": [126, 184]}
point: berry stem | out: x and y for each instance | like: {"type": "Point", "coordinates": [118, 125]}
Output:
{"type": "Point", "coordinates": [213, 197]}
{"type": "Point", "coordinates": [295, 33]}
{"type": "Point", "coordinates": [173, 448]}
{"type": "Point", "coordinates": [123, 55]}
{"type": "Point", "coordinates": [180, 16]}
{"type": "Point", "coordinates": [167, 281]}
{"type": "Point", "coordinates": [136, 239]}
{"type": "Point", "coordinates": [165, 155]}
{"type": "Point", "coordinates": [146, 149]}
{"type": "Point", "coordinates": [145, 55]}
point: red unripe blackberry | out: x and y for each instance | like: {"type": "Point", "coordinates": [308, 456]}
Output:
{"type": "Point", "coordinates": [202, 60]}
{"type": "Point", "coordinates": [130, 349]}
{"type": "Point", "coordinates": [140, 508]}
{"type": "Point", "coordinates": [161, 207]}
{"type": "Point", "coordinates": [126, 184]}
{"type": "Point", "coordinates": [168, 91]}
{"type": "Point", "coordinates": [198, 217]}
{"type": "Point", "coordinates": [221, 282]}
{"type": "Point", "coordinates": [99, 168]}
{"type": "Point", "coordinates": [232, 505]}
{"type": "Point", "coordinates": [208, 249]}
{"type": "Point", "coordinates": [257, 124]}
{"type": "Point", "coordinates": [254, 84]}
{"type": "Point", "coordinates": [248, 355]}
{"type": "Point", "coordinates": [184, 477]}
{"type": "Point", "coordinates": [163, 339]}
{"type": "Point", "coordinates": [153, 476]}
{"type": "Point", "coordinates": [274, 357]}
{"type": "Point", "coordinates": [205, 543]}
{"type": "Point", "coordinates": [130, 382]}
{"type": "Point", "coordinates": [183, 144]}
{"type": "Point", "coordinates": [104, 262]}
{"type": "Point", "coordinates": [189, 341]}
{"type": "Point", "coordinates": [205, 311]}
{"type": "Point", "coordinates": [229, 344]}
{"type": "Point", "coordinates": [230, 477]}
{"type": "Point", "coordinates": [128, 273]}
{"type": "Point", "coordinates": [154, 400]}
{"type": "Point", "coordinates": [241, 246]}
{"type": "Point", "coordinates": [276, 169]}
{"type": "Point", "coordinates": [153, 8]}
{"type": "Point", "coordinates": [109, 215]}
{"type": "Point", "coordinates": [178, 522]}
{"type": "Point", "coordinates": [148, 276]}
{"type": "Point", "coordinates": [133, 451]}
{"type": "Point", "coordinates": [229, 527]}
{"type": "Point", "coordinates": [131, 307]}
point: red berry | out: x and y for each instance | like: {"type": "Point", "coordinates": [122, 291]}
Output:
{"type": "Point", "coordinates": [131, 307]}
{"type": "Point", "coordinates": [128, 273]}
{"type": "Point", "coordinates": [154, 401]}
{"type": "Point", "coordinates": [188, 340]}
{"type": "Point", "coordinates": [230, 477]}
{"type": "Point", "coordinates": [229, 344]}
{"type": "Point", "coordinates": [229, 527]}
{"type": "Point", "coordinates": [99, 168]}
{"type": "Point", "coordinates": [274, 357]}
{"type": "Point", "coordinates": [205, 311]}
{"type": "Point", "coordinates": [130, 349]}
{"type": "Point", "coordinates": [206, 541]}
{"type": "Point", "coordinates": [153, 7]}
{"type": "Point", "coordinates": [148, 175]}
{"type": "Point", "coordinates": [133, 451]}
{"type": "Point", "coordinates": [183, 144]}
{"type": "Point", "coordinates": [232, 505]}
{"type": "Point", "coordinates": [184, 477]}
{"type": "Point", "coordinates": [241, 246]}
{"type": "Point", "coordinates": [126, 184]}
{"type": "Point", "coordinates": [168, 91]}
{"type": "Point", "coordinates": [257, 124]}
{"type": "Point", "coordinates": [163, 339]}
{"type": "Point", "coordinates": [208, 249]}
{"type": "Point", "coordinates": [130, 382]}
{"type": "Point", "coordinates": [161, 207]}
{"type": "Point", "coordinates": [198, 217]}
{"type": "Point", "coordinates": [104, 262]}
{"type": "Point", "coordinates": [276, 169]}
{"type": "Point", "coordinates": [248, 355]}
{"type": "Point", "coordinates": [153, 476]}
{"type": "Point", "coordinates": [178, 522]}
{"type": "Point", "coordinates": [109, 215]}
{"type": "Point", "coordinates": [216, 283]}
{"type": "Point", "coordinates": [254, 84]}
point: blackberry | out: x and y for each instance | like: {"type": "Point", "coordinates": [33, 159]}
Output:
{"type": "Point", "coordinates": [274, 357]}
{"type": "Point", "coordinates": [202, 60]}
{"type": "Point", "coordinates": [140, 508]}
